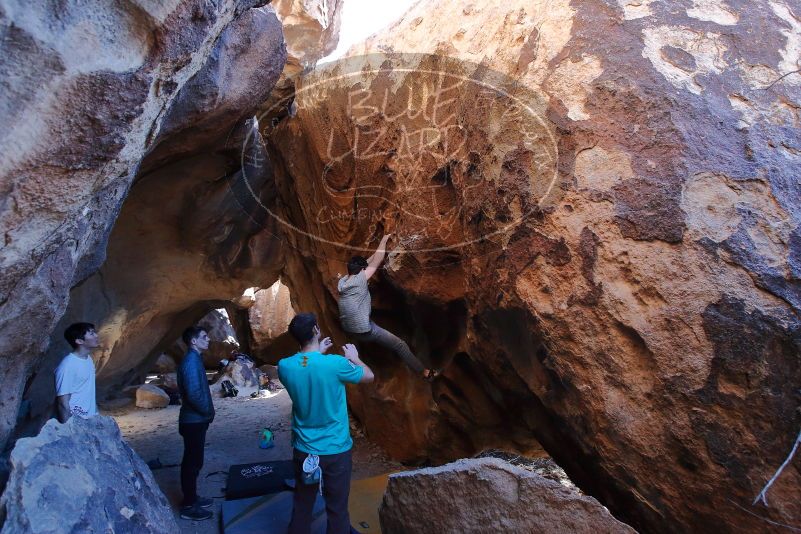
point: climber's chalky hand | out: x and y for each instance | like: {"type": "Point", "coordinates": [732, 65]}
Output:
{"type": "Point", "coordinates": [325, 344]}
{"type": "Point", "coordinates": [351, 353]}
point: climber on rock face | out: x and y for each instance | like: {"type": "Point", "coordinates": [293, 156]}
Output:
{"type": "Point", "coordinates": [355, 308]}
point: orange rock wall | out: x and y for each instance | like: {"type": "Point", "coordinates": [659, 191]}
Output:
{"type": "Point", "coordinates": [610, 270]}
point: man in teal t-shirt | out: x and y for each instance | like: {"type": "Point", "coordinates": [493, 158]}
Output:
{"type": "Point", "coordinates": [316, 382]}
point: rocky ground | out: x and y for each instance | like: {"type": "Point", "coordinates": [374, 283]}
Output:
{"type": "Point", "coordinates": [233, 438]}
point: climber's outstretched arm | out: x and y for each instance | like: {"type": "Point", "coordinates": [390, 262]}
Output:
{"type": "Point", "coordinates": [374, 261]}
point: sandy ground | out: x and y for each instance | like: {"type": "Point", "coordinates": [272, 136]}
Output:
{"type": "Point", "coordinates": [233, 438]}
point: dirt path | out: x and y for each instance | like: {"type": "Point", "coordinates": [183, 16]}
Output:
{"type": "Point", "coordinates": [233, 438]}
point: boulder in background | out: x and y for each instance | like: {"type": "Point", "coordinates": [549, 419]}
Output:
{"type": "Point", "coordinates": [270, 370]}
{"type": "Point", "coordinates": [242, 373]}
{"type": "Point", "coordinates": [150, 396]}
{"type": "Point", "coordinates": [169, 381]}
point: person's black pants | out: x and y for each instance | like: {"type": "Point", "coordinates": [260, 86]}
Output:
{"type": "Point", "coordinates": [194, 435]}
{"type": "Point", "coordinates": [336, 488]}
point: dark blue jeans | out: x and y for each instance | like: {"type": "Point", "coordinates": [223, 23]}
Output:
{"type": "Point", "coordinates": [336, 489]}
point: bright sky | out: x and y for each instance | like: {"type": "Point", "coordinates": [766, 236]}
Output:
{"type": "Point", "coordinates": [363, 18]}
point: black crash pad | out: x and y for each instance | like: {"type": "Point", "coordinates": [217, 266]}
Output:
{"type": "Point", "coordinates": [261, 478]}
{"type": "Point", "coordinates": [268, 514]}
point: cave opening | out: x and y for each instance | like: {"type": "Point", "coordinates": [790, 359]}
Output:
{"type": "Point", "coordinates": [252, 324]}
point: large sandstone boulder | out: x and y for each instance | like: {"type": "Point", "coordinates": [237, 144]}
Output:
{"type": "Point", "coordinates": [270, 313]}
{"type": "Point", "coordinates": [150, 396]}
{"type": "Point", "coordinates": [311, 30]}
{"type": "Point", "coordinates": [595, 207]}
{"type": "Point", "coordinates": [174, 82]}
{"type": "Point", "coordinates": [241, 372]}
{"type": "Point", "coordinates": [82, 477]}
{"type": "Point", "coordinates": [88, 88]}
{"type": "Point", "coordinates": [204, 244]}
{"type": "Point", "coordinates": [269, 319]}
{"type": "Point", "coordinates": [489, 495]}
{"type": "Point", "coordinates": [596, 216]}
{"type": "Point", "coordinates": [222, 338]}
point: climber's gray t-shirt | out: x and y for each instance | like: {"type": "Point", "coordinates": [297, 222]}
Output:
{"type": "Point", "coordinates": [354, 303]}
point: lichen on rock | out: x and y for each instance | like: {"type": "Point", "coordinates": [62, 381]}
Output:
{"type": "Point", "coordinates": [82, 477]}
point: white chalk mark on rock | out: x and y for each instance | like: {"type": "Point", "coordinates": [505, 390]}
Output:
{"type": "Point", "coordinates": [763, 495]}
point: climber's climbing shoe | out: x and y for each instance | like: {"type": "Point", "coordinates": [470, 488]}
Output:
{"type": "Point", "coordinates": [432, 375]}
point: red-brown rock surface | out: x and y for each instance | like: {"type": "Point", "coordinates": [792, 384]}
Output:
{"type": "Point", "coordinates": [150, 396]}
{"type": "Point", "coordinates": [596, 213]}
{"type": "Point", "coordinates": [271, 312]}
{"type": "Point", "coordinates": [595, 209]}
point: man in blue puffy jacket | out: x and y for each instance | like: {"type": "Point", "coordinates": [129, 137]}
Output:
{"type": "Point", "coordinates": [197, 411]}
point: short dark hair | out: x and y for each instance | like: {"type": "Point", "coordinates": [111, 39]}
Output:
{"type": "Point", "coordinates": [191, 333]}
{"type": "Point", "coordinates": [77, 331]}
{"type": "Point", "coordinates": [302, 327]}
{"type": "Point", "coordinates": [357, 264]}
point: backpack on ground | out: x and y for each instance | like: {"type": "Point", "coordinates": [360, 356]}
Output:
{"type": "Point", "coordinates": [228, 389]}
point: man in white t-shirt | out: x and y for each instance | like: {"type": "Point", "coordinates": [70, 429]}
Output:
{"type": "Point", "coordinates": [75, 375]}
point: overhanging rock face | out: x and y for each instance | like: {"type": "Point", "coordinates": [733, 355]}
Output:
{"type": "Point", "coordinates": [596, 211]}
{"type": "Point", "coordinates": [489, 495]}
{"type": "Point", "coordinates": [82, 477]}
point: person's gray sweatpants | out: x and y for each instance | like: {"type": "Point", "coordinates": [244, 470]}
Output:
{"type": "Point", "coordinates": [392, 342]}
